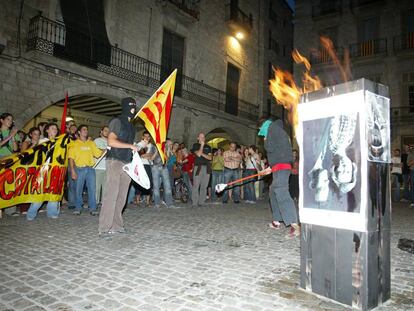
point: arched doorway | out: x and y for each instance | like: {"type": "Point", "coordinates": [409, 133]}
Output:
{"type": "Point", "coordinates": [95, 111]}
{"type": "Point", "coordinates": [220, 138]}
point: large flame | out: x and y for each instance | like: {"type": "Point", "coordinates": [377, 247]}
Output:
{"type": "Point", "coordinates": [286, 91]}
{"type": "Point", "coordinates": [344, 67]}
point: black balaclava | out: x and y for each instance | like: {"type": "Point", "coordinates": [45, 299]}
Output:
{"type": "Point", "coordinates": [127, 104]}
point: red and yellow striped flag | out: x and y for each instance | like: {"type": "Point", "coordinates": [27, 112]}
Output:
{"type": "Point", "coordinates": [156, 113]}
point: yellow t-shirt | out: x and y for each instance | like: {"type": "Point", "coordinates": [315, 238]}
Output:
{"type": "Point", "coordinates": [83, 152]}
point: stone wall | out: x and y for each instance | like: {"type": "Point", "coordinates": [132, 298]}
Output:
{"type": "Point", "coordinates": [32, 81]}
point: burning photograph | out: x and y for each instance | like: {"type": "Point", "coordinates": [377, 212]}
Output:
{"type": "Point", "coordinates": [332, 167]}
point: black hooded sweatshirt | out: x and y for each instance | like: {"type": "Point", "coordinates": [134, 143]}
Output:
{"type": "Point", "coordinates": [277, 144]}
{"type": "Point", "coordinates": [124, 130]}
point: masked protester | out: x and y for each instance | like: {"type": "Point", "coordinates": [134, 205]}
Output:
{"type": "Point", "coordinates": [279, 153]}
{"type": "Point", "coordinates": [120, 139]}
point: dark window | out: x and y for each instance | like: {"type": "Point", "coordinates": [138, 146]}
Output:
{"type": "Point", "coordinates": [411, 98]}
{"type": "Point", "coordinates": [331, 33]}
{"type": "Point", "coordinates": [368, 29]}
{"type": "Point", "coordinates": [284, 50]}
{"type": "Point", "coordinates": [272, 13]}
{"type": "Point", "coordinates": [172, 58]}
{"type": "Point", "coordinates": [408, 21]}
{"type": "Point", "coordinates": [232, 89]}
{"type": "Point", "coordinates": [269, 70]}
{"type": "Point", "coordinates": [86, 39]}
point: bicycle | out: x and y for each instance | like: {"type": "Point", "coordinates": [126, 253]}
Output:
{"type": "Point", "coordinates": [181, 190]}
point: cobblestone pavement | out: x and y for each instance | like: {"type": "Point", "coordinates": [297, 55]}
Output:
{"type": "Point", "coordinates": [209, 258]}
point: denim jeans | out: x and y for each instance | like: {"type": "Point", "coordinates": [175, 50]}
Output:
{"type": "Point", "coordinates": [100, 184]}
{"type": "Point", "coordinates": [52, 210]}
{"type": "Point", "coordinates": [283, 207]}
{"type": "Point", "coordinates": [230, 175]}
{"type": "Point", "coordinates": [86, 175]}
{"type": "Point", "coordinates": [395, 186]}
{"type": "Point", "coordinates": [161, 172]}
{"type": "Point", "coordinates": [406, 183]}
{"type": "Point", "coordinates": [71, 191]}
{"type": "Point", "coordinates": [248, 186]}
{"type": "Point", "coordinates": [131, 193]}
{"type": "Point", "coordinates": [217, 177]}
{"type": "Point", "coordinates": [187, 181]}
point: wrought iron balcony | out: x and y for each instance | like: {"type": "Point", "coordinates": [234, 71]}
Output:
{"type": "Point", "coordinates": [49, 37]}
{"type": "Point", "coordinates": [322, 56]}
{"type": "Point", "coordinates": [237, 19]}
{"type": "Point", "coordinates": [403, 114]}
{"type": "Point", "coordinates": [327, 8]}
{"type": "Point", "coordinates": [404, 42]}
{"type": "Point", "coordinates": [368, 48]}
{"type": "Point", "coordinates": [188, 6]}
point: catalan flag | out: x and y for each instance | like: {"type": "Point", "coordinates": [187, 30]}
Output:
{"type": "Point", "coordinates": [156, 113]}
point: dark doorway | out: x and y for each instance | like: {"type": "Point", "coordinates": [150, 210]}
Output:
{"type": "Point", "coordinates": [232, 89]}
{"type": "Point", "coordinates": [172, 58]}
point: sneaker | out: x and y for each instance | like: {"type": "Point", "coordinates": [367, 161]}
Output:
{"type": "Point", "coordinates": [275, 225]}
{"type": "Point", "coordinates": [411, 205]}
{"type": "Point", "coordinates": [15, 214]}
{"type": "Point", "coordinates": [173, 206]}
{"type": "Point", "coordinates": [157, 206]}
{"type": "Point", "coordinates": [236, 202]}
{"type": "Point", "coordinates": [94, 213]}
{"type": "Point", "coordinates": [76, 212]}
{"type": "Point", "coordinates": [224, 202]}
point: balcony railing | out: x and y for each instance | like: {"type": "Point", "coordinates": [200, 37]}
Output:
{"type": "Point", "coordinates": [50, 37]}
{"type": "Point", "coordinates": [368, 48]}
{"type": "Point", "coordinates": [188, 6]}
{"type": "Point", "coordinates": [238, 18]}
{"type": "Point", "coordinates": [404, 42]}
{"type": "Point", "coordinates": [322, 56]}
{"type": "Point", "coordinates": [327, 8]}
{"type": "Point", "coordinates": [403, 114]}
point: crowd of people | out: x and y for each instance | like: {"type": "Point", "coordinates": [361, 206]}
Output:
{"type": "Point", "coordinates": [92, 166]}
{"type": "Point", "coordinates": [402, 173]}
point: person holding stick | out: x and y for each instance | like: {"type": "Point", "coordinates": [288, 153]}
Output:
{"type": "Point", "coordinates": [279, 153]}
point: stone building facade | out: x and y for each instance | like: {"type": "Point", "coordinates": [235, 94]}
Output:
{"type": "Point", "coordinates": [100, 51]}
{"type": "Point", "coordinates": [379, 35]}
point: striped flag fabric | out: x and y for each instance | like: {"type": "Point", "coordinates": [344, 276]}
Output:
{"type": "Point", "coordinates": [157, 111]}
{"type": "Point", "coordinates": [64, 114]}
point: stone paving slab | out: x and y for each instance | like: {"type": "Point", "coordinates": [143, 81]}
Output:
{"type": "Point", "coordinates": [210, 258]}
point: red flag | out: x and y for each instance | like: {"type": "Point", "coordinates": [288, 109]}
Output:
{"type": "Point", "coordinates": [65, 109]}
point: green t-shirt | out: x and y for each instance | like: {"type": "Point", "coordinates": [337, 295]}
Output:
{"type": "Point", "coordinates": [7, 149]}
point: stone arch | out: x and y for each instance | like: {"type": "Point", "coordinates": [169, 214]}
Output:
{"type": "Point", "coordinates": [228, 135]}
{"type": "Point", "coordinates": [114, 94]}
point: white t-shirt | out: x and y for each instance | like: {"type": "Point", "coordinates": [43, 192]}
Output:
{"type": "Point", "coordinates": [101, 143]}
{"type": "Point", "coordinates": [396, 169]}
{"type": "Point", "coordinates": [149, 150]}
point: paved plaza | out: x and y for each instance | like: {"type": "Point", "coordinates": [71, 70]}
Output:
{"type": "Point", "coordinates": [218, 257]}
